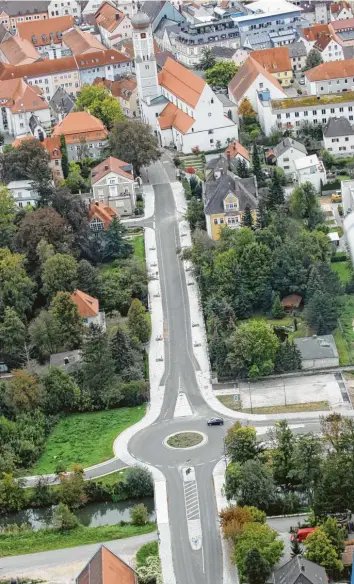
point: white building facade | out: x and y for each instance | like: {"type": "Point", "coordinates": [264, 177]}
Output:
{"type": "Point", "coordinates": [309, 169]}
{"type": "Point", "coordinates": [23, 193]}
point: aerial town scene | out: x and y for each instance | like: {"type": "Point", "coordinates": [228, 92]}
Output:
{"type": "Point", "coordinates": [176, 292]}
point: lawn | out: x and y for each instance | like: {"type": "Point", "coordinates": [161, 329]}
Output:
{"type": "Point", "coordinates": [228, 402]}
{"type": "Point", "coordinates": [139, 247]}
{"type": "Point", "coordinates": [185, 440]}
{"type": "Point", "coordinates": [309, 407]}
{"type": "Point", "coordinates": [344, 335]}
{"type": "Point", "coordinates": [344, 271]}
{"type": "Point", "coordinates": [29, 542]}
{"type": "Point", "coordinates": [86, 439]}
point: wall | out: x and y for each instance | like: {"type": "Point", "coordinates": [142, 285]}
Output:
{"type": "Point", "coordinates": [10, 22]}
{"type": "Point", "coordinates": [94, 150]}
{"type": "Point", "coordinates": [319, 363]}
{"type": "Point", "coordinates": [316, 179]}
{"type": "Point", "coordinates": [112, 188]}
{"type": "Point", "coordinates": [325, 87]}
{"type": "Point", "coordinates": [59, 8]}
{"type": "Point", "coordinates": [260, 83]}
{"type": "Point", "coordinates": [291, 155]}
{"type": "Point", "coordinates": [87, 76]}
{"type": "Point", "coordinates": [333, 52]}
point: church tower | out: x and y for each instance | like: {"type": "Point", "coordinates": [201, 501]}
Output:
{"type": "Point", "coordinates": [145, 62]}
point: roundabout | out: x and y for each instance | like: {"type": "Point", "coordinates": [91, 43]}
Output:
{"type": "Point", "coordinates": [185, 440]}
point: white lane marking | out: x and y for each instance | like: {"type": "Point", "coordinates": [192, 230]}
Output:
{"type": "Point", "coordinates": [182, 407]}
{"type": "Point", "coordinates": [191, 502]}
{"type": "Point", "coordinates": [203, 563]}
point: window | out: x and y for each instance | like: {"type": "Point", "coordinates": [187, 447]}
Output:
{"type": "Point", "coordinates": [286, 159]}
{"type": "Point", "coordinates": [287, 116]}
{"type": "Point", "coordinates": [286, 167]}
{"type": "Point", "coordinates": [342, 148]}
{"type": "Point", "coordinates": [347, 140]}
{"type": "Point", "coordinates": [335, 139]}
{"type": "Point", "coordinates": [56, 162]}
{"type": "Point", "coordinates": [211, 141]}
{"type": "Point", "coordinates": [297, 115]}
{"type": "Point", "coordinates": [212, 100]}
{"type": "Point", "coordinates": [332, 110]}
{"type": "Point", "coordinates": [323, 111]}
{"type": "Point", "coordinates": [96, 224]}
{"type": "Point", "coordinates": [279, 116]}
{"type": "Point", "coordinates": [306, 113]}
{"type": "Point", "coordinates": [314, 112]}
{"type": "Point", "coordinates": [351, 118]}
{"type": "Point", "coordinates": [210, 131]}
{"type": "Point", "coordinates": [260, 85]}
{"type": "Point", "coordinates": [147, 66]}
{"type": "Point", "coordinates": [215, 221]}
{"type": "Point", "coordinates": [350, 108]}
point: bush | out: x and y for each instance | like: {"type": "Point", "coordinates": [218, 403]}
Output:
{"type": "Point", "coordinates": [133, 393]}
{"type": "Point", "coordinates": [138, 482]}
{"type": "Point", "coordinates": [64, 519]}
{"type": "Point", "coordinates": [340, 256]}
{"type": "Point", "coordinates": [146, 551]}
{"type": "Point", "coordinates": [139, 514]}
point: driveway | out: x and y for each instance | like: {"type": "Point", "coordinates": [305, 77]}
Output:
{"type": "Point", "coordinates": [282, 526]}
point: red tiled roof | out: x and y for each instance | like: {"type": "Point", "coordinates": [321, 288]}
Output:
{"type": "Point", "coordinates": [20, 96]}
{"type": "Point", "coordinates": [19, 51]}
{"type": "Point", "coordinates": [293, 300]}
{"type": "Point", "coordinates": [52, 146]}
{"type": "Point", "coordinates": [80, 123]}
{"type": "Point", "coordinates": [273, 60]}
{"type": "Point", "coordinates": [347, 24]}
{"type": "Point", "coordinates": [80, 42]}
{"type": "Point", "coordinates": [331, 70]}
{"type": "Point", "coordinates": [102, 212]}
{"type": "Point", "coordinates": [108, 16]}
{"type": "Point", "coordinates": [322, 42]}
{"type": "Point", "coordinates": [246, 75]}
{"type": "Point", "coordinates": [314, 32]}
{"type": "Point", "coordinates": [181, 82]}
{"type": "Point", "coordinates": [236, 148]}
{"type": "Point", "coordinates": [172, 116]}
{"type": "Point", "coordinates": [87, 305]}
{"type": "Point", "coordinates": [111, 164]}
{"type": "Point", "coordinates": [42, 30]}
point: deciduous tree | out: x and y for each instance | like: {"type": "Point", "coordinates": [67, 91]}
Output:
{"type": "Point", "coordinates": [59, 274]}
{"type": "Point", "coordinates": [138, 482]}
{"type": "Point", "coordinates": [7, 216]}
{"type": "Point", "coordinates": [246, 110]}
{"type": "Point", "coordinates": [133, 142]}
{"type": "Point", "coordinates": [100, 103]}
{"type": "Point", "coordinates": [23, 392]}
{"type": "Point", "coordinates": [12, 493]}
{"type": "Point", "coordinates": [313, 59]}
{"type": "Point", "coordinates": [221, 73]}
{"type": "Point", "coordinates": [68, 319]}
{"type": "Point", "coordinates": [241, 443]}
{"type": "Point", "coordinates": [88, 279]}
{"type": "Point", "coordinates": [138, 321]}
{"type": "Point", "coordinates": [252, 349]}
{"type": "Point", "coordinates": [16, 288]}
{"type": "Point", "coordinates": [259, 537]}
{"type": "Point", "coordinates": [207, 61]}
{"type": "Point", "coordinates": [45, 334]}
{"type": "Point", "coordinates": [64, 519]}
{"type": "Point", "coordinates": [320, 550]}
{"type": "Point", "coordinates": [61, 391]}
{"type": "Point", "coordinates": [12, 337]}
{"type": "Point", "coordinates": [256, 568]}
{"type": "Point", "coordinates": [71, 488]}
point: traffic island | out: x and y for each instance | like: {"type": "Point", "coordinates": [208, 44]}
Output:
{"type": "Point", "coordinates": [183, 440]}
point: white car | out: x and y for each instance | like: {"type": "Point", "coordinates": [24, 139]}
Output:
{"type": "Point", "coordinates": [302, 81]}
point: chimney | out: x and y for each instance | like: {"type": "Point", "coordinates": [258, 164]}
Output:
{"type": "Point", "coordinates": [117, 16]}
{"type": "Point", "coordinates": [106, 167]}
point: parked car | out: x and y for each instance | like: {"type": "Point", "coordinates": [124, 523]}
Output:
{"type": "Point", "coordinates": [302, 81]}
{"type": "Point", "coordinates": [336, 198]}
{"type": "Point", "coordinates": [302, 533]}
{"type": "Point", "coordinates": [215, 422]}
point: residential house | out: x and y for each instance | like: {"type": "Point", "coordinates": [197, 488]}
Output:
{"type": "Point", "coordinates": [229, 107]}
{"type": "Point", "coordinates": [89, 309]}
{"type": "Point", "coordinates": [23, 193]}
{"type": "Point", "coordinates": [100, 216]}
{"type": "Point", "coordinates": [317, 353]}
{"type": "Point", "coordinates": [299, 570]}
{"type": "Point", "coordinates": [180, 106]}
{"type": "Point", "coordinates": [107, 568]}
{"type": "Point", "coordinates": [110, 64]}
{"type": "Point", "coordinates": [228, 54]}
{"type": "Point", "coordinates": [277, 63]}
{"type": "Point", "coordinates": [249, 80]}
{"type": "Point", "coordinates": [47, 36]}
{"type": "Point", "coordinates": [17, 51]}
{"type": "Point", "coordinates": [160, 10]}
{"type": "Point", "coordinates": [80, 42]}
{"type": "Point", "coordinates": [341, 11]}
{"type": "Point", "coordinates": [126, 92]}
{"type": "Point", "coordinates": [338, 137]}
{"type": "Point", "coordinates": [113, 183]}
{"type": "Point", "coordinates": [290, 113]}
{"type": "Point", "coordinates": [310, 169]}
{"type": "Point", "coordinates": [310, 35]}
{"type": "Point", "coordinates": [330, 78]}
{"type": "Point", "coordinates": [64, 8]}
{"type": "Point", "coordinates": [234, 152]}
{"type": "Point", "coordinates": [286, 152]}
{"type": "Point", "coordinates": [112, 24]}
{"type": "Point", "coordinates": [61, 105]}
{"type": "Point", "coordinates": [329, 48]}
{"type": "Point", "coordinates": [342, 31]}
{"type": "Point", "coordinates": [226, 198]}
{"type": "Point", "coordinates": [84, 135]}
{"type": "Point", "coordinates": [13, 12]}
{"type": "Point", "coordinates": [23, 110]}
{"type": "Point", "coordinates": [198, 14]}
{"type": "Point", "coordinates": [298, 55]}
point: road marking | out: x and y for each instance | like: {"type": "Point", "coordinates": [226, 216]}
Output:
{"type": "Point", "coordinates": [200, 463]}
{"type": "Point", "coordinates": [203, 563]}
{"type": "Point", "coordinates": [191, 502]}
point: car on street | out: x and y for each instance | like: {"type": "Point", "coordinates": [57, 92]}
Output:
{"type": "Point", "coordinates": [215, 422]}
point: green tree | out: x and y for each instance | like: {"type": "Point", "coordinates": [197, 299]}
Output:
{"type": "Point", "coordinates": [45, 334]}
{"type": "Point", "coordinates": [133, 142]}
{"type": "Point", "coordinates": [12, 493]}
{"type": "Point", "coordinates": [313, 59]}
{"type": "Point", "coordinates": [320, 550]}
{"type": "Point", "coordinates": [247, 218]}
{"type": "Point", "coordinates": [29, 161]}
{"type": "Point", "coordinates": [138, 321]}
{"type": "Point", "coordinates": [242, 170]}
{"type": "Point", "coordinates": [61, 391]}
{"type": "Point", "coordinates": [321, 313]}
{"type": "Point", "coordinates": [233, 480]}
{"type": "Point", "coordinates": [207, 61]}
{"type": "Point", "coordinates": [256, 487]}
{"type": "Point", "coordinates": [259, 537]}
{"type": "Point", "coordinates": [64, 156]}
{"type": "Point", "coordinates": [68, 319]}
{"type": "Point", "coordinates": [13, 336]}
{"type": "Point", "coordinates": [138, 482]}
{"type": "Point", "coordinates": [288, 358]}
{"type": "Point", "coordinates": [127, 355]}
{"type": "Point", "coordinates": [275, 192]}
{"type": "Point", "coordinates": [23, 392]}
{"type": "Point", "coordinates": [307, 461]}
{"type": "Point", "coordinates": [296, 549]}
{"type": "Point", "coordinates": [335, 535]}
{"type": "Point", "coordinates": [64, 519]}
{"type": "Point", "coordinates": [116, 244]}
{"type": "Point", "coordinates": [256, 568]}
{"type": "Point", "coordinates": [16, 288]}
{"type": "Point", "coordinates": [88, 279]}
{"type": "Point", "coordinates": [74, 181]}
{"type": "Point", "coordinates": [72, 208]}
{"type": "Point", "coordinates": [277, 308]}
{"type": "Point", "coordinates": [195, 214]}
{"type": "Point", "coordinates": [97, 373]}
{"type": "Point", "coordinates": [304, 205]}
{"type": "Point", "coordinates": [241, 443]}
{"type": "Point", "coordinates": [221, 73]}
{"type": "Point", "coordinates": [284, 471]}
{"type": "Point", "coordinates": [257, 166]}
{"type": "Point", "coordinates": [7, 216]}
{"type": "Point", "coordinates": [252, 349]}
{"type": "Point", "coordinates": [42, 494]}
{"type": "Point", "coordinates": [328, 159]}
{"type": "Point", "coordinates": [139, 514]}
{"type": "Point", "coordinates": [246, 111]}
{"type": "Point", "coordinates": [71, 488]}
{"type": "Point", "coordinates": [59, 274]}
{"type": "Point", "coordinates": [100, 103]}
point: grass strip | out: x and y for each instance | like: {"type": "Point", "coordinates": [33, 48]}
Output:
{"type": "Point", "coordinates": [309, 407]}
{"type": "Point", "coordinates": [43, 540]}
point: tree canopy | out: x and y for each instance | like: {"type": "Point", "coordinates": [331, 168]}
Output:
{"type": "Point", "coordinates": [133, 142]}
{"type": "Point", "coordinates": [221, 73]}
{"type": "Point", "coordinates": [100, 103]}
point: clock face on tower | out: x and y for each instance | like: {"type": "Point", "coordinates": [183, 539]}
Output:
{"type": "Point", "coordinates": [143, 35]}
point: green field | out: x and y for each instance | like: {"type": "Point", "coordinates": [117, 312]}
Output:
{"type": "Point", "coordinates": [343, 270]}
{"type": "Point", "coordinates": [86, 439]}
{"type": "Point", "coordinates": [139, 247]}
{"type": "Point", "coordinates": [14, 544]}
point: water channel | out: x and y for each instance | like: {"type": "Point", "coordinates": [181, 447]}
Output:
{"type": "Point", "coordinates": [92, 515]}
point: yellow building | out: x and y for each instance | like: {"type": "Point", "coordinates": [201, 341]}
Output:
{"type": "Point", "coordinates": [277, 62]}
{"type": "Point", "coordinates": [227, 197]}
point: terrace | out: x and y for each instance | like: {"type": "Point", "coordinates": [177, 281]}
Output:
{"type": "Point", "coordinates": [310, 100]}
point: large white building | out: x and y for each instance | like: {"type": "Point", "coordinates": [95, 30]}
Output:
{"type": "Point", "coordinates": [338, 137]}
{"type": "Point", "coordinates": [309, 169]}
{"type": "Point", "coordinates": [182, 109]}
